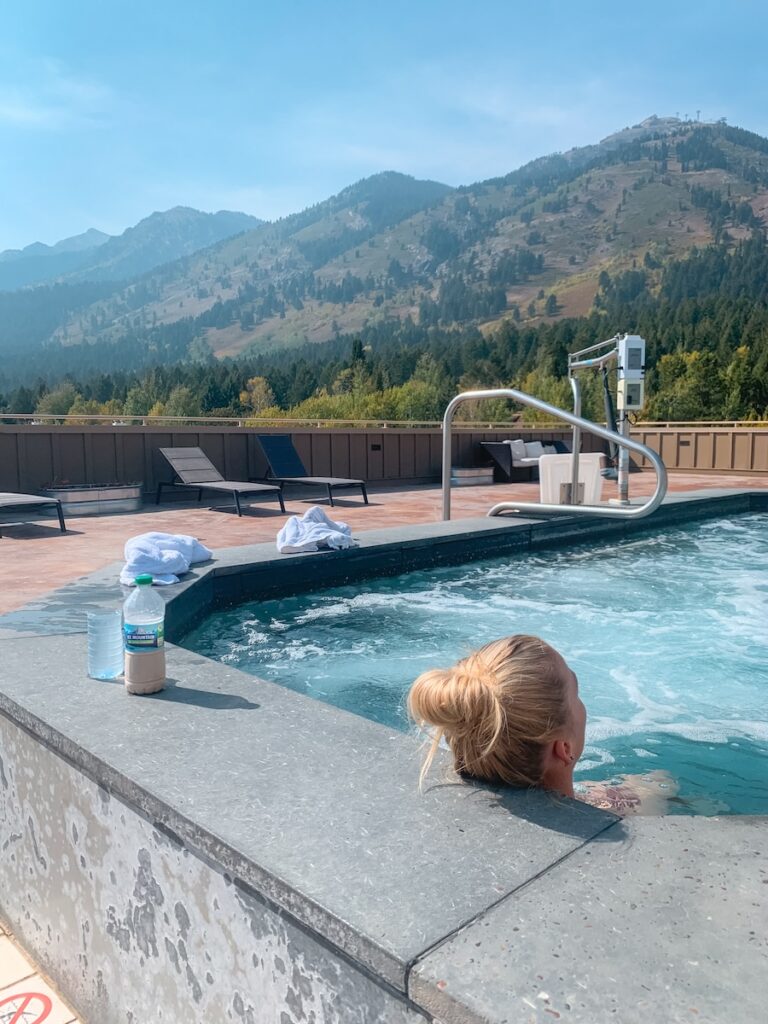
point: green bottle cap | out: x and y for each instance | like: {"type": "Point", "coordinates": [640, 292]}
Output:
{"type": "Point", "coordinates": [145, 580]}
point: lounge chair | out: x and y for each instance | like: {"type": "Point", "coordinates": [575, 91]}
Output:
{"type": "Point", "coordinates": [285, 466]}
{"type": "Point", "coordinates": [9, 499]}
{"type": "Point", "coordinates": [194, 469]}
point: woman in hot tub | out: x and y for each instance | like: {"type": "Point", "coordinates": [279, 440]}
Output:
{"type": "Point", "coordinates": [511, 713]}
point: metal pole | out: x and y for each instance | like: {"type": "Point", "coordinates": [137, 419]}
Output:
{"type": "Point", "coordinates": [447, 421]}
{"type": "Point", "coordinates": [576, 442]}
{"type": "Point", "coordinates": [623, 482]}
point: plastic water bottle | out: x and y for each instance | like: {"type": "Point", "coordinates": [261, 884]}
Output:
{"type": "Point", "coordinates": [105, 644]}
{"type": "Point", "coordinates": [144, 637]}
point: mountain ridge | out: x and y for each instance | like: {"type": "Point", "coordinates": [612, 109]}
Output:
{"type": "Point", "coordinates": [530, 247]}
{"type": "Point", "coordinates": [162, 236]}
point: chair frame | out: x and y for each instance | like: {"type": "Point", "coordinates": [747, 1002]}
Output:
{"type": "Point", "coordinates": [216, 482]}
{"type": "Point", "coordinates": [329, 482]}
{"type": "Point", "coordinates": [8, 499]}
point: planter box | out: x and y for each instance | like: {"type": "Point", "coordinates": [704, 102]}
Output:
{"type": "Point", "coordinates": [97, 500]}
{"type": "Point", "coordinates": [472, 477]}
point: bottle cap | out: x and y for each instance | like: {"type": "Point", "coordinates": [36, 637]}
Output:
{"type": "Point", "coordinates": [144, 580]}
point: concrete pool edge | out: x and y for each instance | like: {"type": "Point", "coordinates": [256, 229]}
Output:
{"type": "Point", "coordinates": [80, 732]}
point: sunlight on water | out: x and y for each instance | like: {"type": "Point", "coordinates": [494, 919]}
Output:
{"type": "Point", "coordinates": [667, 632]}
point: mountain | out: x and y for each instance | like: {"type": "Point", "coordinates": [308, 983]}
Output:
{"type": "Point", "coordinates": [77, 243]}
{"type": "Point", "coordinates": [39, 262]}
{"type": "Point", "coordinates": [161, 238]}
{"type": "Point", "coordinates": [539, 244]}
{"type": "Point", "coordinates": [95, 256]}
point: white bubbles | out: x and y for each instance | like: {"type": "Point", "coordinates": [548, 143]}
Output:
{"type": "Point", "coordinates": [666, 632]}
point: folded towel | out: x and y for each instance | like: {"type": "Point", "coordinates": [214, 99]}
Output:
{"type": "Point", "coordinates": [314, 530]}
{"type": "Point", "coordinates": [164, 555]}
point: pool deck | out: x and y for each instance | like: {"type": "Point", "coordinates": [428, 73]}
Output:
{"type": "Point", "coordinates": [35, 558]}
{"type": "Point", "coordinates": [23, 990]}
{"type": "Point", "coordinates": [304, 825]}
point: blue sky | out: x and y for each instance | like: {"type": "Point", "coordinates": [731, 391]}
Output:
{"type": "Point", "coordinates": [112, 109]}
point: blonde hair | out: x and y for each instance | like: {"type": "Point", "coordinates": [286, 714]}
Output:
{"type": "Point", "coordinates": [496, 709]}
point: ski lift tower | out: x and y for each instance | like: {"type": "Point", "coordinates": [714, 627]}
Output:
{"type": "Point", "coordinates": [628, 351]}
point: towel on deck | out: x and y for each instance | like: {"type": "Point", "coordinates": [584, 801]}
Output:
{"type": "Point", "coordinates": [314, 530]}
{"type": "Point", "coordinates": [164, 555]}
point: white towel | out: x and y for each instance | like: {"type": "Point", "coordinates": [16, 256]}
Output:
{"type": "Point", "coordinates": [164, 555]}
{"type": "Point", "coordinates": [314, 530]}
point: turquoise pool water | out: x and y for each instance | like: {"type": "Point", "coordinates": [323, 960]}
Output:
{"type": "Point", "coordinates": [667, 632]}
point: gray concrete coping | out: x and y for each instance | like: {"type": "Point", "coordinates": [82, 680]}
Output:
{"type": "Point", "coordinates": [316, 809]}
{"type": "Point", "coordinates": [668, 925]}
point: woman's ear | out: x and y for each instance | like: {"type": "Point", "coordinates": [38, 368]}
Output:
{"type": "Point", "coordinates": [561, 752]}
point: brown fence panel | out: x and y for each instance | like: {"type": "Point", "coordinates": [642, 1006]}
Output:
{"type": "Point", "coordinates": [742, 450]}
{"type": "Point", "coordinates": [391, 453]}
{"type": "Point", "coordinates": [375, 457]}
{"type": "Point", "coordinates": [723, 450]}
{"type": "Point", "coordinates": [422, 454]}
{"type": "Point", "coordinates": [704, 451]}
{"type": "Point", "coordinates": [685, 451]}
{"type": "Point", "coordinates": [760, 452]}
{"type": "Point", "coordinates": [101, 458]}
{"type": "Point", "coordinates": [9, 463]}
{"type": "Point", "coordinates": [358, 456]}
{"type": "Point", "coordinates": [35, 461]}
{"type": "Point", "coordinates": [340, 455]}
{"type": "Point", "coordinates": [321, 455]}
{"type": "Point", "coordinates": [407, 456]}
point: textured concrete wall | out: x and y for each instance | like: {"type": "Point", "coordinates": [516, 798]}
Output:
{"type": "Point", "coordinates": [134, 928]}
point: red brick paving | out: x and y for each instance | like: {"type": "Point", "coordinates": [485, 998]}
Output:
{"type": "Point", "coordinates": [36, 557]}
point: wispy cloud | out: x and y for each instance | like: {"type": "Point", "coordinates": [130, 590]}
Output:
{"type": "Point", "coordinates": [453, 122]}
{"type": "Point", "coordinates": [52, 98]}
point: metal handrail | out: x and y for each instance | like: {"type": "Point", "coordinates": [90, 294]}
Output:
{"type": "Point", "coordinates": [613, 511]}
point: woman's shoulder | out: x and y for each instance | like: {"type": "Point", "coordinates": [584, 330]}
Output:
{"type": "Point", "coordinates": [630, 794]}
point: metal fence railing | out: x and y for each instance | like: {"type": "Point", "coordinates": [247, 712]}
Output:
{"type": "Point", "coordinates": [250, 422]}
{"type": "Point", "coordinates": [246, 422]}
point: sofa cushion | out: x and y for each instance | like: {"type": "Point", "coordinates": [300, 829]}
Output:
{"type": "Point", "coordinates": [533, 449]}
{"type": "Point", "coordinates": [518, 449]}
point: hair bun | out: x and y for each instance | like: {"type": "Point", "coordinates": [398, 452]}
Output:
{"type": "Point", "coordinates": [496, 708]}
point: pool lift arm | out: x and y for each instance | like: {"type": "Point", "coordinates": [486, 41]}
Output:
{"type": "Point", "coordinates": [629, 350]}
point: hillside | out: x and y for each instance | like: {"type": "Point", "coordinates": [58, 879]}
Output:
{"type": "Point", "coordinates": [531, 248]}
{"type": "Point", "coordinates": [95, 256]}
{"type": "Point", "coordinates": [393, 247]}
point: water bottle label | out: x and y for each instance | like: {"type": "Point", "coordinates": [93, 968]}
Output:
{"type": "Point", "coordinates": [143, 638]}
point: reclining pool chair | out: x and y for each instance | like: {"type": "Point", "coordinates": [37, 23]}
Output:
{"type": "Point", "coordinates": [11, 500]}
{"type": "Point", "coordinates": [194, 469]}
{"type": "Point", "coordinates": [286, 466]}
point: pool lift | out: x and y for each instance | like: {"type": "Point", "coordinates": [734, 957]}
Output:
{"type": "Point", "coordinates": [628, 350]}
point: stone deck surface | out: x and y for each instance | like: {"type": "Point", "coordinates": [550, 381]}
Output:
{"type": "Point", "coordinates": [35, 558]}
{"type": "Point", "coordinates": [25, 995]}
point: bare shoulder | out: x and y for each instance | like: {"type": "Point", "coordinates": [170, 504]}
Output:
{"type": "Point", "coordinates": [631, 794]}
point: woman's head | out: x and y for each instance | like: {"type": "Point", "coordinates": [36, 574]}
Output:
{"type": "Point", "coordinates": [510, 712]}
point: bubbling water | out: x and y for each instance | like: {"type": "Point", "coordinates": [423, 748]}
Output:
{"type": "Point", "coordinates": [666, 632]}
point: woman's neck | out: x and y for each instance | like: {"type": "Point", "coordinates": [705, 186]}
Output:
{"type": "Point", "coordinates": [559, 779]}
